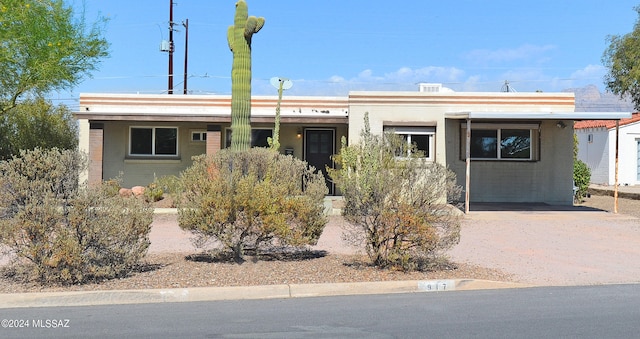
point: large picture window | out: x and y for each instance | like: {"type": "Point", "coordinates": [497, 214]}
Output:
{"type": "Point", "coordinates": [258, 137]}
{"type": "Point", "coordinates": [501, 142]}
{"type": "Point", "coordinates": [421, 138]}
{"type": "Point", "coordinates": [158, 141]}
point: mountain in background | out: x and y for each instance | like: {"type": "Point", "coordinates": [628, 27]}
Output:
{"type": "Point", "coordinates": [590, 99]}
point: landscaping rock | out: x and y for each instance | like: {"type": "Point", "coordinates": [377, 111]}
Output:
{"type": "Point", "coordinates": [125, 192]}
{"type": "Point", "coordinates": [138, 190]}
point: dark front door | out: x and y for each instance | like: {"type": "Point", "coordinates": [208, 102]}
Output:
{"type": "Point", "coordinates": [318, 149]}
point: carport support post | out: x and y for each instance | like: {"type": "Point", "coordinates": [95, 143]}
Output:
{"type": "Point", "coordinates": [468, 163]}
{"type": "Point", "coordinates": [615, 187]}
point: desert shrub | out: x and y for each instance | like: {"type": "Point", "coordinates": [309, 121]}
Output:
{"type": "Point", "coordinates": [254, 199]}
{"type": "Point", "coordinates": [153, 192]}
{"type": "Point", "coordinates": [68, 234]}
{"type": "Point", "coordinates": [112, 186]}
{"type": "Point", "coordinates": [398, 206]}
{"type": "Point", "coordinates": [170, 184]}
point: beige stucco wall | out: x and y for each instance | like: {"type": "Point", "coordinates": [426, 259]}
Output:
{"type": "Point", "coordinates": [410, 114]}
{"type": "Point", "coordinates": [141, 171]}
{"type": "Point", "coordinates": [548, 180]}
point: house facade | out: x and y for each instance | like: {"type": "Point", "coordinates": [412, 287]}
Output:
{"type": "Point", "coordinates": [597, 148]}
{"type": "Point", "coordinates": [141, 137]}
{"type": "Point", "coordinates": [519, 148]}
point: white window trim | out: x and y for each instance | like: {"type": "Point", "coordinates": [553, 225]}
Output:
{"type": "Point", "coordinates": [153, 142]}
{"type": "Point", "coordinates": [202, 133]}
{"type": "Point", "coordinates": [416, 130]}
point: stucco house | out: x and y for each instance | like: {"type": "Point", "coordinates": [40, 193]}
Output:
{"type": "Point", "coordinates": [519, 145]}
{"type": "Point", "coordinates": [597, 148]}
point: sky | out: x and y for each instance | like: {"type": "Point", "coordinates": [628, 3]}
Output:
{"type": "Point", "coordinates": [331, 47]}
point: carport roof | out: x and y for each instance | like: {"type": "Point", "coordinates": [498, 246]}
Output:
{"type": "Point", "coordinates": [539, 115]}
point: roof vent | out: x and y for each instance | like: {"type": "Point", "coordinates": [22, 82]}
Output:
{"type": "Point", "coordinates": [430, 87]}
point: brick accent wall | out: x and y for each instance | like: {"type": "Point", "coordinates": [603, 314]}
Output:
{"type": "Point", "coordinates": [96, 142]}
{"type": "Point", "coordinates": [214, 139]}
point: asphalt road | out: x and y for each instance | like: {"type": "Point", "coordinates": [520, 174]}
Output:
{"type": "Point", "coordinates": [607, 311]}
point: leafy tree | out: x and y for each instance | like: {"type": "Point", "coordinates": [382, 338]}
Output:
{"type": "Point", "coordinates": [254, 199]}
{"type": "Point", "coordinates": [37, 123]}
{"type": "Point", "coordinates": [622, 59]}
{"type": "Point", "coordinates": [398, 206]}
{"type": "Point", "coordinates": [45, 47]}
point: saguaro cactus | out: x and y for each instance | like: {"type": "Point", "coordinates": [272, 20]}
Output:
{"type": "Point", "coordinates": [239, 37]}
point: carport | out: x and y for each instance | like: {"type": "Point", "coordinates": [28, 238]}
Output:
{"type": "Point", "coordinates": [477, 120]}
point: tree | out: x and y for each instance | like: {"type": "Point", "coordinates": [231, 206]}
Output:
{"type": "Point", "coordinates": [45, 47]}
{"type": "Point", "coordinates": [37, 123]}
{"type": "Point", "coordinates": [398, 204]}
{"type": "Point", "coordinates": [622, 59]}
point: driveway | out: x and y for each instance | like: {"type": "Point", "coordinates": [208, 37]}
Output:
{"type": "Point", "coordinates": [543, 246]}
{"type": "Point", "coordinates": [538, 245]}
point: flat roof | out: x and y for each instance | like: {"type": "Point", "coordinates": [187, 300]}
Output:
{"type": "Point", "coordinates": [539, 115]}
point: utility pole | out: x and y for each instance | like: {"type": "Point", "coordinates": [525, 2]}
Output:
{"type": "Point", "coordinates": [186, 48]}
{"type": "Point", "coordinates": [171, 23]}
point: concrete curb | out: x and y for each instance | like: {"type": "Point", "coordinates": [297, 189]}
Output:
{"type": "Point", "coordinates": [115, 297]}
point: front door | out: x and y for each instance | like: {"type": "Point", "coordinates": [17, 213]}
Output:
{"type": "Point", "coordinates": [318, 149]}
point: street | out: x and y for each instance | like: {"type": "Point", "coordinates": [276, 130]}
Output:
{"type": "Point", "coordinates": [610, 311]}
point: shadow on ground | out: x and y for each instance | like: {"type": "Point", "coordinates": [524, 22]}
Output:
{"type": "Point", "coordinates": [284, 255]}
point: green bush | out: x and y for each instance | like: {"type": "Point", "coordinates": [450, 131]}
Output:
{"type": "Point", "coordinates": [153, 192]}
{"type": "Point", "coordinates": [581, 173]}
{"type": "Point", "coordinates": [254, 199]}
{"type": "Point", "coordinates": [68, 234]}
{"type": "Point", "coordinates": [398, 206]}
{"type": "Point", "coordinates": [581, 178]}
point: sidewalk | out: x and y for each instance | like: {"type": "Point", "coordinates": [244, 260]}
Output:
{"type": "Point", "coordinates": [627, 192]}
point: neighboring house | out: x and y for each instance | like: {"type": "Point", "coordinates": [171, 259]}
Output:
{"type": "Point", "coordinates": [520, 143]}
{"type": "Point", "coordinates": [597, 148]}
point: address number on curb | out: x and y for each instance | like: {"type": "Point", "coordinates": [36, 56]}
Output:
{"type": "Point", "coordinates": [436, 285]}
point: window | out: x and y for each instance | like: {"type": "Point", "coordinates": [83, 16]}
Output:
{"type": "Point", "coordinates": [501, 141]}
{"type": "Point", "coordinates": [160, 141]}
{"type": "Point", "coordinates": [258, 137]}
{"type": "Point", "coordinates": [197, 136]}
{"type": "Point", "coordinates": [419, 137]}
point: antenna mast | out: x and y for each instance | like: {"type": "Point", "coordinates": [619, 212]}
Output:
{"type": "Point", "coordinates": [507, 88]}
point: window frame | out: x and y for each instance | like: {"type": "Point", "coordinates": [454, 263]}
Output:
{"type": "Point", "coordinates": [153, 142]}
{"type": "Point", "coordinates": [534, 136]}
{"type": "Point", "coordinates": [202, 136]}
{"type": "Point", "coordinates": [429, 131]}
{"type": "Point", "coordinates": [227, 137]}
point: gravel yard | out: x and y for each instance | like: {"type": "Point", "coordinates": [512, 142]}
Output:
{"type": "Point", "coordinates": [171, 263]}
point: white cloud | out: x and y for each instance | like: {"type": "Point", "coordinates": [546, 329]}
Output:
{"type": "Point", "coordinates": [528, 79]}
{"type": "Point", "coordinates": [590, 72]}
{"type": "Point", "coordinates": [336, 79]}
{"type": "Point", "coordinates": [402, 79]}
